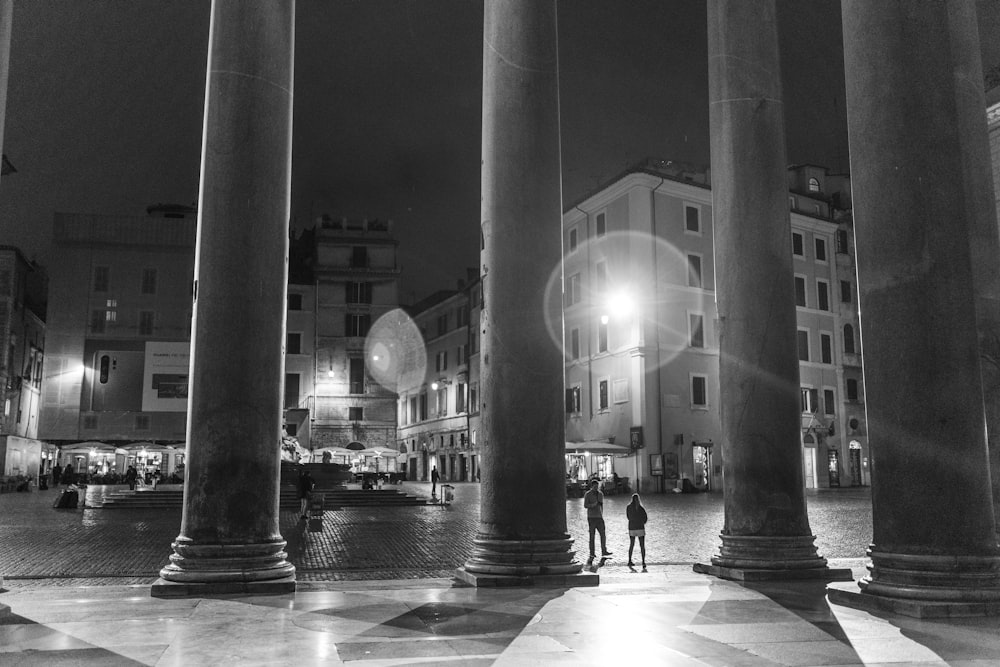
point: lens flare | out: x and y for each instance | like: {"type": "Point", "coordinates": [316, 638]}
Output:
{"type": "Point", "coordinates": [395, 353]}
{"type": "Point", "coordinates": [643, 289]}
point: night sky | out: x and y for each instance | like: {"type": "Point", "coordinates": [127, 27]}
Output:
{"type": "Point", "coordinates": [105, 106]}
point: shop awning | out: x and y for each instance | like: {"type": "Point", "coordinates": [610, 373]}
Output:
{"type": "Point", "coordinates": [596, 447]}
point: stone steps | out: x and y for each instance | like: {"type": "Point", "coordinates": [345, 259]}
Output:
{"type": "Point", "coordinates": [333, 499]}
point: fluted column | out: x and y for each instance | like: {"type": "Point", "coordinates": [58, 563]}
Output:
{"type": "Point", "coordinates": [522, 537]}
{"type": "Point", "coordinates": [766, 532]}
{"type": "Point", "coordinates": [229, 539]}
{"type": "Point", "coordinates": [916, 206]}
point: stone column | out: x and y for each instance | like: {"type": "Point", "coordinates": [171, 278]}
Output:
{"type": "Point", "coordinates": [984, 232]}
{"type": "Point", "coordinates": [6, 21]}
{"type": "Point", "coordinates": [934, 549]}
{"type": "Point", "coordinates": [522, 537]}
{"type": "Point", "coordinates": [766, 533]}
{"type": "Point", "coordinates": [229, 539]}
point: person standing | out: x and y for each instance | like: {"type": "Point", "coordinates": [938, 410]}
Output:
{"type": "Point", "coordinates": [306, 485]}
{"type": "Point", "coordinates": [636, 515]}
{"type": "Point", "coordinates": [131, 475]}
{"type": "Point", "coordinates": [434, 481]}
{"type": "Point", "coordinates": [56, 476]}
{"type": "Point", "coordinates": [594, 502]}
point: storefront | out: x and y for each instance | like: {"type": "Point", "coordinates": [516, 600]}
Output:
{"type": "Point", "coordinates": [611, 464]}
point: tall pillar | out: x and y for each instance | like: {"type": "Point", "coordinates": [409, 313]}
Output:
{"type": "Point", "coordinates": [766, 533]}
{"type": "Point", "coordinates": [522, 537]}
{"type": "Point", "coordinates": [6, 21]}
{"type": "Point", "coordinates": [984, 230]}
{"type": "Point", "coordinates": [229, 539]}
{"type": "Point", "coordinates": [934, 549]}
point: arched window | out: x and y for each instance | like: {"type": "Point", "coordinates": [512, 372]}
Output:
{"type": "Point", "coordinates": [848, 339]}
{"type": "Point", "coordinates": [813, 184]}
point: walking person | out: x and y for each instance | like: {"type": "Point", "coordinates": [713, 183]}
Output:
{"type": "Point", "coordinates": [434, 481]}
{"type": "Point", "coordinates": [636, 515]}
{"type": "Point", "coordinates": [594, 502]}
{"type": "Point", "coordinates": [306, 485]}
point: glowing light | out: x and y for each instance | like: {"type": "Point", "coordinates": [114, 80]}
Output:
{"type": "Point", "coordinates": [604, 319]}
{"type": "Point", "coordinates": [434, 386]}
{"type": "Point", "coordinates": [620, 304]}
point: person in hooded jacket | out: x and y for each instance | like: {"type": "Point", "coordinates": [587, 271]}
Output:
{"type": "Point", "coordinates": [637, 518]}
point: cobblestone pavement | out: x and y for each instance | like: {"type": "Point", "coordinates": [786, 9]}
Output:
{"type": "Point", "coordinates": [42, 546]}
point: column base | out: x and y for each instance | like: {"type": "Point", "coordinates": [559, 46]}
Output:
{"type": "Point", "coordinates": [768, 552]}
{"type": "Point", "coordinates": [482, 580]}
{"type": "Point", "coordinates": [849, 595]}
{"type": "Point", "coordinates": [521, 562]}
{"type": "Point", "coordinates": [761, 574]}
{"type": "Point", "coordinates": [161, 588]}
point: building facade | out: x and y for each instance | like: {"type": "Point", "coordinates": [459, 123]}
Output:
{"type": "Point", "coordinates": [641, 331]}
{"type": "Point", "coordinates": [357, 275]}
{"type": "Point", "coordinates": [22, 336]}
{"type": "Point", "coordinates": [439, 417]}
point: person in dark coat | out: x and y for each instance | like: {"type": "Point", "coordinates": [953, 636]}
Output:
{"type": "Point", "coordinates": [637, 517]}
{"type": "Point", "coordinates": [434, 480]}
{"type": "Point", "coordinates": [68, 476]}
{"type": "Point", "coordinates": [56, 475]}
{"type": "Point", "coordinates": [306, 485]}
{"type": "Point", "coordinates": [131, 475]}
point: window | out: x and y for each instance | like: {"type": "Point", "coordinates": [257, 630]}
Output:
{"type": "Point", "coordinates": [800, 291]}
{"type": "Point", "coordinates": [574, 344]}
{"type": "Point", "coordinates": [441, 361]}
{"type": "Point", "coordinates": [791, 203]}
{"type": "Point", "coordinates": [842, 241]}
{"type": "Point", "coordinates": [462, 354]}
{"type": "Point", "coordinates": [573, 289]}
{"type": "Point", "coordinates": [441, 395]}
{"type": "Point", "coordinates": [822, 295]}
{"type": "Point", "coordinates": [473, 342]}
{"type": "Point", "coordinates": [291, 390]}
{"type": "Point", "coordinates": [826, 348]}
{"type": "Point", "coordinates": [102, 278]}
{"type": "Point", "coordinates": [845, 291]}
{"type": "Point", "coordinates": [694, 271]}
{"type": "Point", "coordinates": [356, 414]}
{"type": "Point", "coordinates": [146, 319]}
{"type": "Point", "coordinates": [829, 402]}
{"type": "Point", "coordinates": [692, 219]}
{"type": "Point", "coordinates": [148, 281]}
{"type": "Point", "coordinates": [294, 302]}
{"type": "Point", "coordinates": [442, 324]}
{"type": "Point", "coordinates": [848, 339]}
{"type": "Point", "coordinates": [797, 246]}
{"type": "Point", "coordinates": [293, 343]}
{"type": "Point", "coordinates": [292, 429]}
{"type": "Point", "coordinates": [810, 399]}
{"type": "Point", "coordinates": [699, 391]}
{"type": "Point", "coordinates": [572, 239]}
{"type": "Point", "coordinates": [459, 397]}
{"type": "Point", "coordinates": [601, 224]}
{"type": "Point", "coordinates": [602, 337]}
{"type": "Point", "coordinates": [359, 257]}
{"type": "Point", "coordinates": [358, 292]}
{"type": "Point", "coordinates": [573, 400]}
{"type": "Point", "coordinates": [413, 410]}
{"type": "Point", "coordinates": [357, 325]}
{"type": "Point", "coordinates": [601, 277]}
{"type": "Point", "coordinates": [356, 376]}
{"type": "Point", "coordinates": [852, 389]}
{"type": "Point", "coordinates": [473, 398]}
{"type": "Point", "coordinates": [813, 184]}
{"type": "Point", "coordinates": [462, 314]}
{"type": "Point", "coordinates": [423, 406]}
{"type": "Point", "coordinates": [803, 344]}
{"type": "Point", "coordinates": [602, 395]}
{"type": "Point", "coordinates": [696, 332]}
{"type": "Point", "coordinates": [97, 321]}
{"type": "Point", "coordinates": [820, 249]}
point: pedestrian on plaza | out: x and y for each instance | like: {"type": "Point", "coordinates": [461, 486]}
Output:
{"type": "Point", "coordinates": [637, 517]}
{"type": "Point", "coordinates": [68, 476]}
{"type": "Point", "coordinates": [594, 502]}
{"type": "Point", "coordinates": [156, 477]}
{"type": "Point", "coordinates": [56, 476]}
{"type": "Point", "coordinates": [434, 481]}
{"type": "Point", "coordinates": [131, 475]}
{"type": "Point", "coordinates": [306, 485]}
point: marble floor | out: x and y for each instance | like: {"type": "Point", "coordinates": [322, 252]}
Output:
{"type": "Point", "coordinates": [668, 616]}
